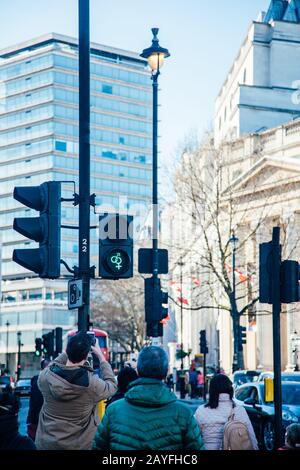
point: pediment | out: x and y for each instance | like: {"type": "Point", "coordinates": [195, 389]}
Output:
{"type": "Point", "coordinates": [267, 173]}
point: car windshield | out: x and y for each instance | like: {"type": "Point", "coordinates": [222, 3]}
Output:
{"type": "Point", "coordinates": [291, 394]}
{"type": "Point", "coordinates": [290, 378]}
{"type": "Point", "coordinates": [243, 378]}
{"type": "Point", "coordinates": [23, 382]}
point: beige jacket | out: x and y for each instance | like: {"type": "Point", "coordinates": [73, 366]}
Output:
{"type": "Point", "coordinates": [68, 418]}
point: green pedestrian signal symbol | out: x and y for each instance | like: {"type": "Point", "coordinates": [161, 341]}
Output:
{"type": "Point", "coordinates": [117, 261]}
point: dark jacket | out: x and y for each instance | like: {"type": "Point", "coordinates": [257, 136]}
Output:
{"type": "Point", "coordinates": [68, 419]}
{"type": "Point", "coordinates": [117, 396]}
{"type": "Point", "coordinates": [149, 417]}
{"type": "Point", "coordinates": [10, 438]}
{"type": "Point", "coordinates": [35, 402]}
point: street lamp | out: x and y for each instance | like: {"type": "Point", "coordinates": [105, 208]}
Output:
{"type": "Point", "coordinates": [234, 313]}
{"type": "Point", "coordinates": [155, 55]}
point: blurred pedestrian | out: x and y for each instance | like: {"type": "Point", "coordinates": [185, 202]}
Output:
{"type": "Point", "coordinates": [149, 417]}
{"type": "Point", "coordinates": [10, 438]}
{"type": "Point", "coordinates": [292, 437]}
{"type": "Point", "coordinates": [68, 418]}
{"type": "Point", "coordinates": [35, 403]}
{"type": "Point", "coordinates": [220, 409]}
{"type": "Point", "coordinates": [125, 377]}
{"type": "Point", "coordinates": [193, 382]}
{"type": "Point", "coordinates": [200, 384]}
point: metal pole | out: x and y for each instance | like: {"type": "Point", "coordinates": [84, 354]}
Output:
{"type": "Point", "coordinates": [19, 356]}
{"type": "Point", "coordinates": [84, 161]}
{"type": "Point", "coordinates": [235, 319]}
{"type": "Point", "coordinates": [276, 262]}
{"type": "Point", "coordinates": [204, 375]}
{"type": "Point", "coordinates": [181, 316]}
{"type": "Point", "coordinates": [156, 326]}
{"type": "Point", "coordinates": [7, 340]}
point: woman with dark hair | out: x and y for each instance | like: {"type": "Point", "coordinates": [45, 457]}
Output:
{"type": "Point", "coordinates": [213, 416]}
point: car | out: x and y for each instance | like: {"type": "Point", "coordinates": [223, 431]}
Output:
{"type": "Point", "coordinates": [261, 413]}
{"type": "Point", "coordinates": [23, 387]}
{"type": "Point", "coordinates": [6, 381]}
{"type": "Point", "coordinates": [285, 376]}
{"type": "Point", "coordinates": [241, 377]}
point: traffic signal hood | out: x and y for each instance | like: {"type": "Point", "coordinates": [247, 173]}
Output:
{"type": "Point", "coordinates": [115, 246]}
{"type": "Point", "coordinates": [45, 229]}
{"type": "Point", "coordinates": [289, 277]}
{"type": "Point", "coordinates": [38, 347]}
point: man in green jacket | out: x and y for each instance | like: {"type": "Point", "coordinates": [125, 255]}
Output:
{"type": "Point", "coordinates": [149, 417]}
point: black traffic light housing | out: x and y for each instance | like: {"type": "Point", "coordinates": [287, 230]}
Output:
{"type": "Point", "coordinates": [115, 246]}
{"type": "Point", "coordinates": [48, 344]}
{"type": "Point", "coordinates": [155, 312]}
{"type": "Point", "coordinates": [38, 347]}
{"type": "Point", "coordinates": [45, 229]}
{"type": "Point", "coordinates": [203, 342]}
{"type": "Point", "coordinates": [289, 277]}
{"type": "Point", "coordinates": [242, 335]}
{"type": "Point", "coordinates": [58, 340]}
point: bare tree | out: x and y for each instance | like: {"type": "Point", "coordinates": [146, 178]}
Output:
{"type": "Point", "coordinates": [118, 308]}
{"type": "Point", "coordinates": [216, 211]}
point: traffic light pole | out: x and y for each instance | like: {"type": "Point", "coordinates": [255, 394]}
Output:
{"type": "Point", "coordinates": [19, 355]}
{"type": "Point", "coordinates": [84, 162]}
{"type": "Point", "coordinates": [156, 326]}
{"type": "Point", "coordinates": [275, 289]}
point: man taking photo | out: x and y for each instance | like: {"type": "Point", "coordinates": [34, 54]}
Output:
{"type": "Point", "coordinates": [68, 419]}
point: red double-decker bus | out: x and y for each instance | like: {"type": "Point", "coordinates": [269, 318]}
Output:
{"type": "Point", "coordinates": [101, 336]}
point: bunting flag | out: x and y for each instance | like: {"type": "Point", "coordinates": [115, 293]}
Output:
{"type": "Point", "coordinates": [164, 321]}
{"type": "Point", "coordinates": [196, 281]}
{"type": "Point", "coordinates": [182, 300]}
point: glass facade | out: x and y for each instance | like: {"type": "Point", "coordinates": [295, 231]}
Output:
{"type": "Point", "coordinates": [39, 135]}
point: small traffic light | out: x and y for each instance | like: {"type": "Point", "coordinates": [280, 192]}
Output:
{"type": "Point", "coordinates": [203, 342]}
{"type": "Point", "coordinates": [38, 347]}
{"type": "Point", "coordinates": [289, 282]}
{"type": "Point", "coordinates": [48, 344]}
{"type": "Point", "coordinates": [265, 273]}
{"type": "Point", "coordinates": [242, 335]}
{"type": "Point", "coordinates": [45, 229]}
{"type": "Point", "coordinates": [58, 340]}
{"type": "Point", "coordinates": [115, 246]}
{"type": "Point", "coordinates": [155, 312]}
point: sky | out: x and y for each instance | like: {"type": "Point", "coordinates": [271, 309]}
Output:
{"type": "Point", "coordinates": [202, 36]}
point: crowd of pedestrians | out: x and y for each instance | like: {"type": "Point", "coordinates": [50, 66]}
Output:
{"type": "Point", "coordinates": [142, 411]}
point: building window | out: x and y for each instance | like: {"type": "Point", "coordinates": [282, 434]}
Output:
{"type": "Point", "coordinates": [60, 146]}
{"type": "Point", "coordinates": [245, 76]}
{"type": "Point", "coordinates": [220, 124]}
{"type": "Point", "coordinates": [122, 140]}
{"type": "Point", "coordinates": [225, 114]}
{"type": "Point", "coordinates": [107, 89]}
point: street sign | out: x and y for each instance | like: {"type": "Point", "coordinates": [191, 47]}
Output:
{"type": "Point", "coordinates": [145, 265]}
{"type": "Point", "coordinates": [75, 294]}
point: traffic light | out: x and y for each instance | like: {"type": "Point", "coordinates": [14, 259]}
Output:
{"type": "Point", "coordinates": [38, 347]}
{"type": "Point", "coordinates": [115, 246]}
{"type": "Point", "coordinates": [242, 337]}
{"type": "Point", "coordinates": [155, 312]}
{"type": "Point", "coordinates": [58, 340]}
{"type": "Point", "coordinates": [45, 229]}
{"type": "Point", "coordinates": [289, 280]}
{"type": "Point", "coordinates": [289, 277]}
{"type": "Point", "coordinates": [48, 344]}
{"type": "Point", "coordinates": [203, 342]}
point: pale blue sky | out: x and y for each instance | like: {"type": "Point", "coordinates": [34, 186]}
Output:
{"type": "Point", "coordinates": [202, 36]}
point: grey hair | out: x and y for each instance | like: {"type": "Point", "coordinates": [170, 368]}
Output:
{"type": "Point", "coordinates": [153, 363]}
{"type": "Point", "coordinates": [293, 434]}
